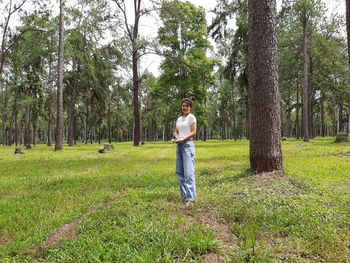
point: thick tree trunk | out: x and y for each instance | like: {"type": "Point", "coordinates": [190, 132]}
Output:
{"type": "Point", "coordinates": [59, 128]}
{"type": "Point", "coordinates": [264, 97]}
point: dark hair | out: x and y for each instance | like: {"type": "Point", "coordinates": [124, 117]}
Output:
{"type": "Point", "coordinates": [190, 100]}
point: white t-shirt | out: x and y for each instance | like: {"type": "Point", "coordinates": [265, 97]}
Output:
{"type": "Point", "coordinates": [183, 125]}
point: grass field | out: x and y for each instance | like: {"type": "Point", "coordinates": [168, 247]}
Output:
{"type": "Point", "coordinates": [123, 206]}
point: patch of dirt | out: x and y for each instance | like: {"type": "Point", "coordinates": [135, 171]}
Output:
{"type": "Point", "coordinates": [278, 183]}
{"type": "Point", "coordinates": [211, 258]}
{"type": "Point", "coordinates": [141, 173]}
{"type": "Point", "coordinates": [67, 232]}
{"type": "Point", "coordinates": [18, 194]}
{"type": "Point", "coordinates": [269, 179]}
{"type": "Point", "coordinates": [220, 228]}
{"type": "Point", "coordinates": [4, 241]}
{"type": "Point", "coordinates": [125, 158]}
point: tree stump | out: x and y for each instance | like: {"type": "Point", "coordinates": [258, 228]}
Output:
{"type": "Point", "coordinates": [18, 151]}
{"type": "Point", "coordinates": [103, 149]}
{"type": "Point", "coordinates": [341, 137]}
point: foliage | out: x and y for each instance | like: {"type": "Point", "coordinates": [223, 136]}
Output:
{"type": "Point", "coordinates": [186, 69]}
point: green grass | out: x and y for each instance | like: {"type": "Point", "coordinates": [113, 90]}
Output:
{"type": "Point", "coordinates": [126, 205]}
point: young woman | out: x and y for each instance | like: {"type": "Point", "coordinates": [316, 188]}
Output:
{"type": "Point", "coordinates": [186, 128]}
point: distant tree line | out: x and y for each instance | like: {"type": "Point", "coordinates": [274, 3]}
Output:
{"type": "Point", "coordinates": [107, 97]}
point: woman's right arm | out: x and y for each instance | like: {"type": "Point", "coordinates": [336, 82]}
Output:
{"type": "Point", "coordinates": [176, 133]}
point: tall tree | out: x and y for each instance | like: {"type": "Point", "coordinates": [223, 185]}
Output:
{"type": "Point", "coordinates": [132, 32]}
{"type": "Point", "coordinates": [347, 3]}
{"type": "Point", "coordinates": [233, 45]}
{"type": "Point", "coordinates": [186, 69]}
{"type": "Point", "coordinates": [12, 7]}
{"type": "Point", "coordinates": [59, 127]}
{"type": "Point", "coordinates": [264, 97]}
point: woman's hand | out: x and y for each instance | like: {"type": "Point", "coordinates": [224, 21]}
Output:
{"type": "Point", "coordinates": [180, 140]}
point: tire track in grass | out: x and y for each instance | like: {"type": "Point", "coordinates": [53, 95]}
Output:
{"type": "Point", "coordinates": [222, 233]}
{"type": "Point", "coordinates": [211, 219]}
{"type": "Point", "coordinates": [68, 231]}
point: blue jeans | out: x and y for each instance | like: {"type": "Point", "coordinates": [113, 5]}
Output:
{"type": "Point", "coordinates": [185, 158]}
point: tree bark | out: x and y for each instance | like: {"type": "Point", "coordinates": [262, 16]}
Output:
{"type": "Point", "coordinates": [50, 98]}
{"type": "Point", "coordinates": [347, 4]}
{"type": "Point", "coordinates": [340, 116]}
{"type": "Point", "coordinates": [109, 124]}
{"type": "Point", "coordinates": [289, 123]}
{"type": "Point", "coordinates": [247, 108]}
{"type": "Point", "coordinates": [347, 13]}
{"type": "Point", "coordinates": [71, 102]}
{"type": "Point", "coordinates": [86, 124]}
{"type": "Point", "coordinates": [305, 97]}
{"type": "Point", "coordinates": [264, 97]}
{"type": "Point", "coordinates": [133, 34]}
{"type": "Point", "coordinates": [322, 130]}
{"type": "Point", "coordinates": [27, 126]}
{"type": "Point", "coordinates": [4, 117]}
{"type": "Point", "coordinates": [59, 128]}
{"type": "Point", "coordinates": [297, 122]}
{"type": "Point", "coordinates": [137, 115]}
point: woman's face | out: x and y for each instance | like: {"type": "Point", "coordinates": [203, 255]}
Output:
{"type": "Point", "coordinates": [186, 108]}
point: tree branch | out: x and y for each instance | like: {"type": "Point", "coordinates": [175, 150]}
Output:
{"type": "Point", "coordinates": [123, 10]}
{"type": "Point", "coordinates": [20, 35]}
{"type": "Point", "coordinates": [18, 7]}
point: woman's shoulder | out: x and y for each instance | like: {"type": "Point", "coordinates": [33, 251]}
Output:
{"type": "Point", "coordinates": [192, 117]}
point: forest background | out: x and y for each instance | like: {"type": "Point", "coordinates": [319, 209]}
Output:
{"type": "Point", "coordinates": [205, 59]}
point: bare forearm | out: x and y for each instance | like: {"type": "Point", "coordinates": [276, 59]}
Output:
{"type": "Point", "coordinates": [190, 135]}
